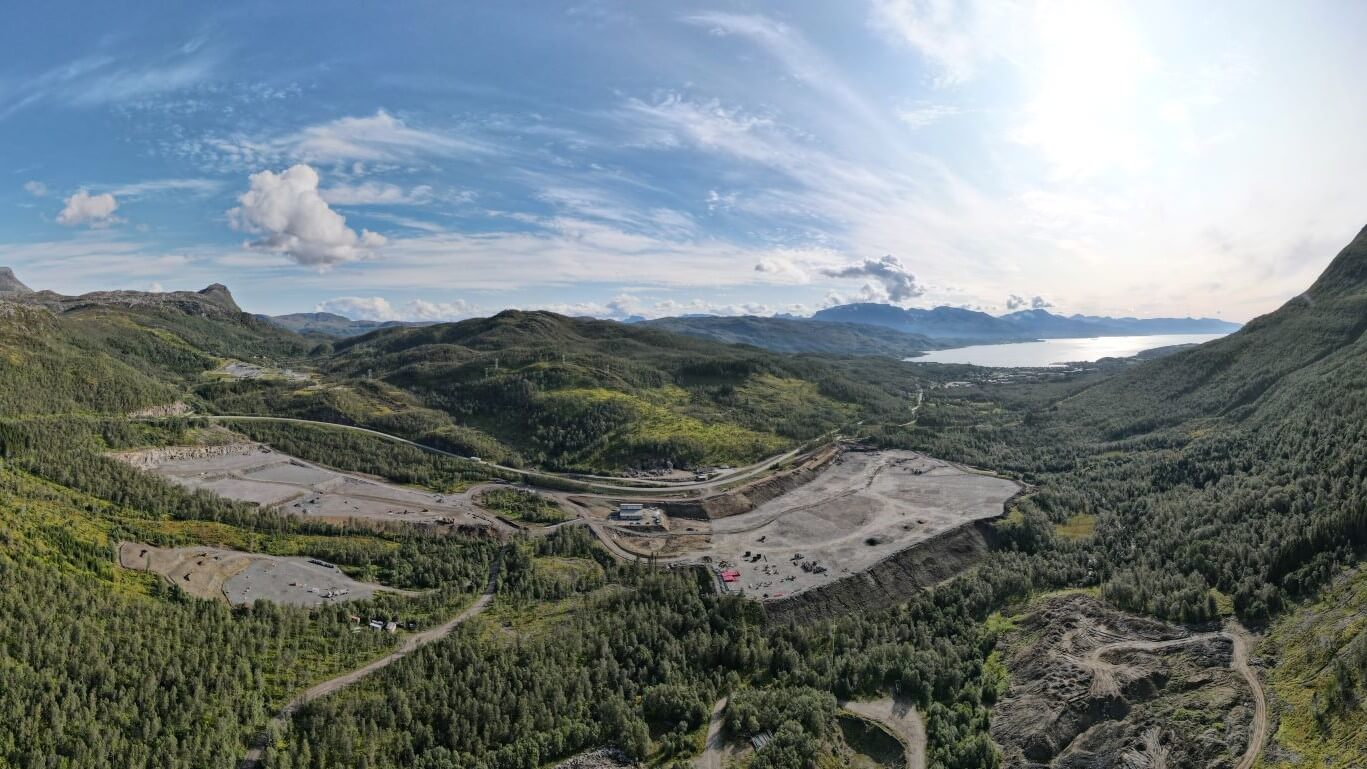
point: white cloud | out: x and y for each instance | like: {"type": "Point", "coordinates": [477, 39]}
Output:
{"type": "Point", "coordinates": [380, 309]}
{"type": "Point", "coordinates": [35, 188]}
{"type": "Point", "coordinates": [94, 81]}
{"type": "Point", "coordinates": [376, 194]}
{"type": "Point", "coordinates": [955, 36]}
{"type": "Point", "coordinates": [626, 306]}
{"type": "Point", "coordinates": [294, 220]}
{"type": "Point", "coordinates": [378, 137]}
{"type": "Point", "coordinates": [923, 115]}
{"type": "Point", "coordinates": [90, 210]}
{"type": "Point", "coordinates": [201, 187]}
{"type": "Point", "coordinates": [362, 142]}
{"type": "Point", "coordinates": [721, 201]}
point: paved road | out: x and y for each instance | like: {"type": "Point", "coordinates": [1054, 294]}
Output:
{"type": "Point", "coordinates": [1239, 637]}
{"type": "Point", "coordinates": [902, 720]}
{"type": "Point", "coordinates": [643, 486]}
{"type": "Point", "coordinates": [410, 644]}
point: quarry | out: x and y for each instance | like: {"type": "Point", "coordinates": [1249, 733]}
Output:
{"type": "Point", "coordinates": [243, 578]}
{"type": "Point", "coordinates": [252, 472]}
{"type": "Point", "coordinates": [835, 518]}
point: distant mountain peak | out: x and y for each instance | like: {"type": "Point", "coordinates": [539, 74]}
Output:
{"type": "Point", "coordinates": [10, 285]}
{"type": "Point", "coordinates": [220, 295]}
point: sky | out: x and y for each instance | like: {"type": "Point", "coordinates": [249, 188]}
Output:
{"type": "Point", "coordinates": [437, 160]}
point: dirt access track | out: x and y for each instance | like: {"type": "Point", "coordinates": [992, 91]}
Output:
{"type": "Point", "coordinates": [252, 472]}
{"type": "Point", "coordinates": [861, 509]}
{"type": "Point", "coordinates": [242, 578]}
{"type": "Point", "coordinates": [1093, 686]}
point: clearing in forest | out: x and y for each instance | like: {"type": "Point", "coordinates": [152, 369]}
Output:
{"type": "Point", "coordinates": [252, 472]}
{"type": "Point", "coordinates": [242, 578]}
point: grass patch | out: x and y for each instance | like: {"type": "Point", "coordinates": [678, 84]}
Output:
{"type": "Point", "coordinates": [1314, 647]}
{"type": "Point", "coordinates": [522, 505]}
{"type": "Point", "coordinates": [1077, 527]}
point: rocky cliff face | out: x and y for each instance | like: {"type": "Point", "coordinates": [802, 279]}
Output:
{"type": "Point", "coordinates": [212, 302]}
{"type": "Point", "coordinates": [10, 285]}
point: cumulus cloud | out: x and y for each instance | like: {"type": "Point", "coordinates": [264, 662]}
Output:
{"type": "Point", "coordinates": [890, 275]}
{"type": "Point", "coordinates": [90, 210]}
{"type": "Point", "coordinates": [380, 309]}
{"type": "Point", "coordinates": [35, 188]}
{"type": "Point", "coordinates": [1017, 302]}
{"type": "Point", "coordinates": [293, 219]}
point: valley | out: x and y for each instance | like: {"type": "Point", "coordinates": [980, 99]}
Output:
{"type": "Point", "coordinates": [1110, 565]}
{"type": "Point", "coordinates": [740, 384]}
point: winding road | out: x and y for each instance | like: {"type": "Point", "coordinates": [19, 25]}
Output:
{"type": "Point", "coordinates": [643, 486]}
{"type": "Point", "coordinates": [410, 644]}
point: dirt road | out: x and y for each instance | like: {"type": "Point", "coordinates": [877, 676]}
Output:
{"type": "Point", "coordinates": [1257, 739]}
{"type": "Point", "coordinates": [902, 720]}
{"type": "Point", "coordinates": [712, 748]}
{"type": "Point", "coordinates": [410, 644]}
{"type": "Point", "coordinates": [1239, 638]}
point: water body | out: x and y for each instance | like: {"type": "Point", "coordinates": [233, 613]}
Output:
{"type": "Point", "coordinates": [1056, 352]}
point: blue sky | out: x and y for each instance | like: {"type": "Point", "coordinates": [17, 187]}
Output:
{"type": "Point", "coordinates": [438, 160]}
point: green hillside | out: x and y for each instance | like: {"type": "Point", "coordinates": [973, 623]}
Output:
{"type": "Point", "coordinates": [100, 356]}
{"type": "Point", "coordinates": [587, 394]}
{"type": "Point", "coordinates": [1227, 478]}
{"type": "Point", "coordinates": [799, 336]}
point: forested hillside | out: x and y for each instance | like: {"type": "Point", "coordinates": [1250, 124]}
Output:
{"type": "Point", "coordinates": [797, 335]}
{"type": "Point", "coordinates": [1240, 465]}
{"type": "Point", "coordinates": [586, 394]}
{"type": "Point", "coordinates": [1232, 477]}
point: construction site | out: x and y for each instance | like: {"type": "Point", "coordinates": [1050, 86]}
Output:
{"type": "Point", "coordinates": [857, 509]}
{"type": "Point", "coordinates": [836, 512]}
{"type": "Point", "coordinates": [252, 472]}
{"type": "Point", "coordinates": [243, 578]}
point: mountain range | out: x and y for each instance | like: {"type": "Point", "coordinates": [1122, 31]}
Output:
{"type": "Point", "coordinates": [963, 324]}
{"type": "Point", "coordinates": [850, 329]}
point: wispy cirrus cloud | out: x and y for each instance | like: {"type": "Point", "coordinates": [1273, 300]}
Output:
{"type": "Point", "coordinates": [378, 138]}
{"type": "Point", "coordinates": [104, 79]}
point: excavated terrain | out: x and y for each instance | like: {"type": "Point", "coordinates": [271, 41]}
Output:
{"type": "Point", "coordinates": [1092, 688]}
{"type": "Point", "coordinates": [252, 472]}
{"type": "Point", "coordinates": [860, 511]}
{"type": "Point", "coordinates": [241, 578]}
